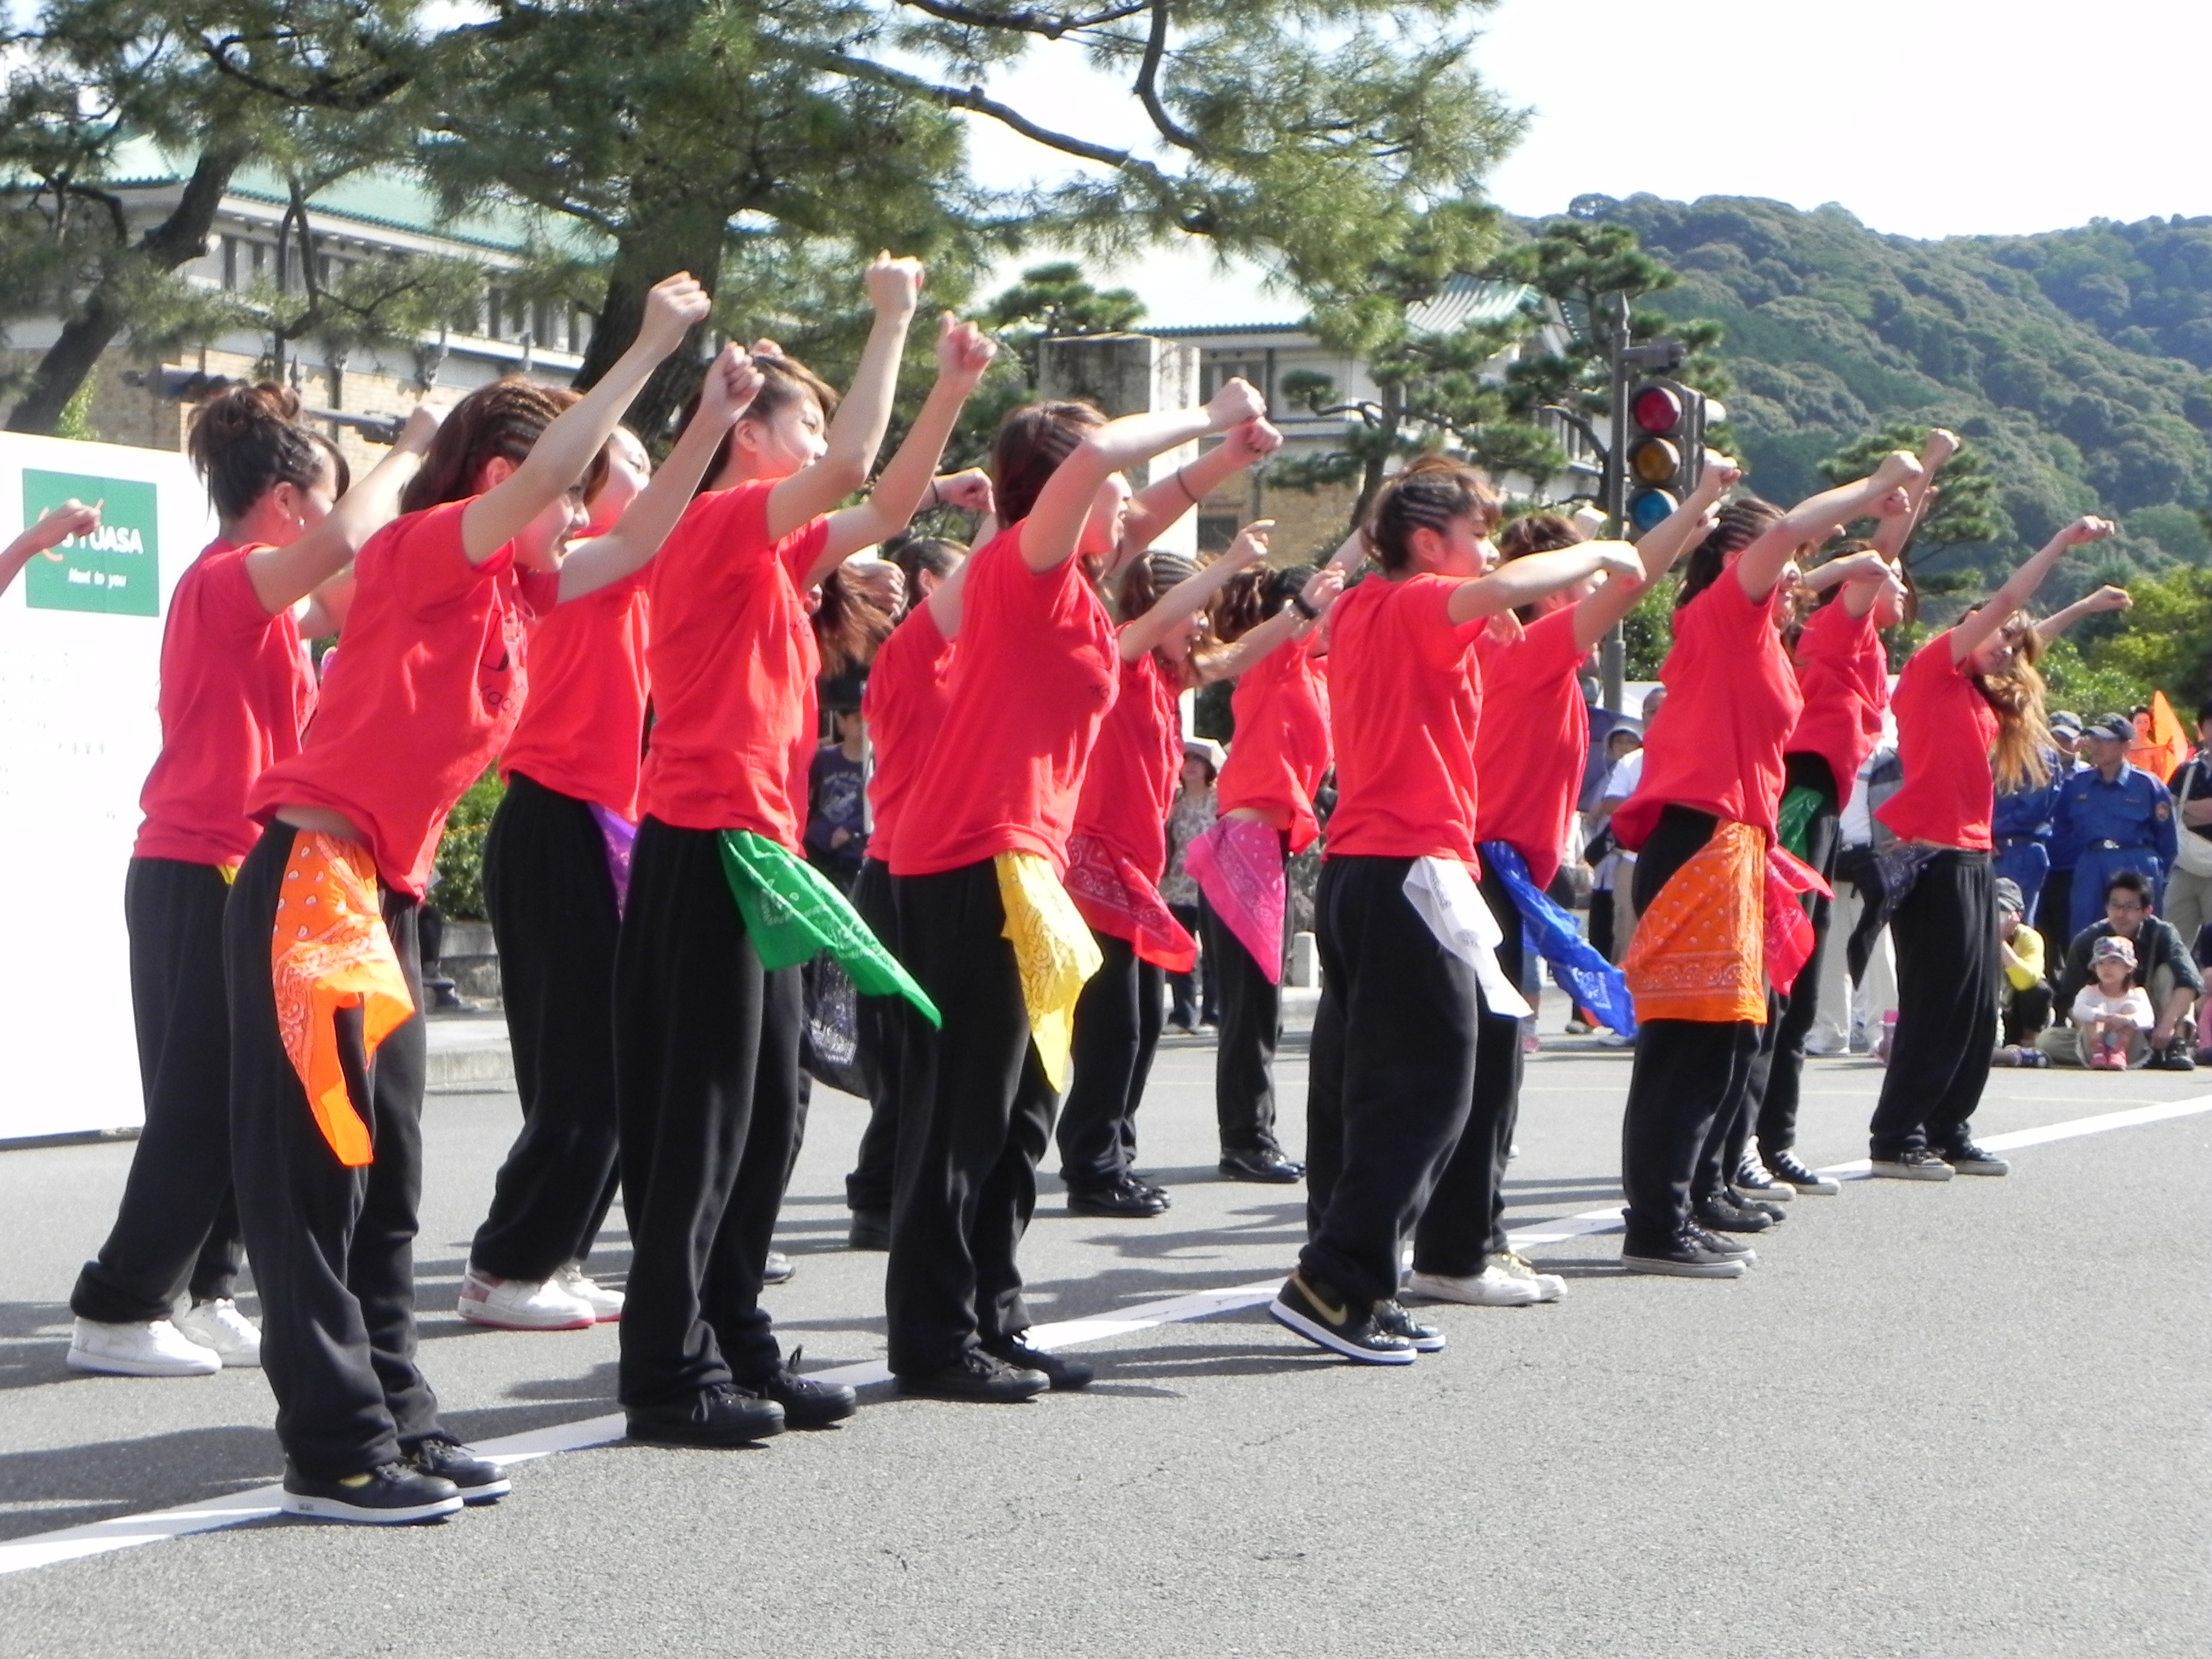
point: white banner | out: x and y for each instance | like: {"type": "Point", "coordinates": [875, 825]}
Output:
{"type": "Point", "coordinates": [80, 659]}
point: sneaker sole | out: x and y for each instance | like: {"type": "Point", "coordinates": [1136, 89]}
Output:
{"type": "Point", "coordinates": [698, 1440]}
{"type": "Point", "coordinates": [1777, 1194]}
{"type": "Point", "coordinates": [1981, 1169]}
{"type": "Point", "coordinates": [96, 1365]}
{"type": "Point", "coordinates": [490, 1493]}
{"type": "Point", "coordinates": [1910, 1172]}
{"type": "Point", "coordinates": [923, 1391]}
{"type": "Point", "coordinates": [330, 1508]}
{"type": "Point", "coordinates": [1437, 1288]}
{"type": "Point", "coordinates": [491, 1321]}
{"type": "Point", "coordinates": [1663, 1267]}
{"type": "Point", "coordinates": [1820, 1188]}
{"type": "Point", "coordinates": [1321, 1337]}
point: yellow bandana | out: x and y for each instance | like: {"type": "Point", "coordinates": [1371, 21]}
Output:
{"type": "Point", "coordinates": [1055, 952]}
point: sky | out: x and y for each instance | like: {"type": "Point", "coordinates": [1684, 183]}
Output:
{"type": "Point", "coordinates": [1940, 118]}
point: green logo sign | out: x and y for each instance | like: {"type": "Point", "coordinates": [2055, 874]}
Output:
{"type": "Point", "coordinates": [117, 569]}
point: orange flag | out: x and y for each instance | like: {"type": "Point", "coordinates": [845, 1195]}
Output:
{"type": "Point", "coordinates": [2165, 746]}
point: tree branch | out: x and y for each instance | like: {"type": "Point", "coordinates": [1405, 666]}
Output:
{"type": "Point", "coordinates": [1148, 83]}
{"type": "Point", "coordinates": [1051, 27]}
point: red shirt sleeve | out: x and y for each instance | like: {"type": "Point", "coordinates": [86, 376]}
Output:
{"type": "Point", "coordinates": [429, 571]}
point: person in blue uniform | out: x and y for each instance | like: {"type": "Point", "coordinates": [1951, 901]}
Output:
{"type": "Point", "coordinates": [2113, 817]}
{"type": "Point", "coordinates": [2022, 824]}
{"type": "Point", "coordinates": [2049, 909]}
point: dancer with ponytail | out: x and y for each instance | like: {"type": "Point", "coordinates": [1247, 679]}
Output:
{"type": "Point", "coordinates": [1118, 852]}
{"type": "Point", "coordinates": [723, 907]}
{"type": "Point", "coordinates": [1719, 916]}
{"type": "Point", "coordinates": [1529, 752]}
{"type": "Point", "coordinates": [236, 691]}
{"type": "Point", "coordinates": [977, 863]}
{"type": "Point", "coordinates": [1969, 716]}
{"type": "Point", "coordinates": [1407, 948]}
{"type": "Point", "coordinates": [319, 939]}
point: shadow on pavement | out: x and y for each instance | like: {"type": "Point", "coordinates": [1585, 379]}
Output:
{"type": "Point", "coordinates": [72, 1486]}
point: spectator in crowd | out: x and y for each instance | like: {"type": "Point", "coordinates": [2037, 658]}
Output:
{"type": "Point", "coordinates": [2050, 910]}
{"type": "Point", "coordinates": [2112, 816]}
{"type": "Point", "coordinates": [2024, 1009]}
{"type": "Point", "coordinates": [1191, 994]}
{"type": "Point", "coordinates": [2188, 901]}
{"type": "Point", "coordinates": [837, 808]}
{"type": "Point", "coordinates": [2111, 1014]}
{"type": "Point", "coordinates": [2162, 967]}
{"type": "Point", "coordinates": [1602, 853]}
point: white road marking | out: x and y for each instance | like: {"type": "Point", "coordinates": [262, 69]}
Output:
{"type": "Point", "coordinates": [259, 1503]}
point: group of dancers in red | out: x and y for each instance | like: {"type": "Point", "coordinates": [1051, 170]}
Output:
{"type": "Point", "coordinates": [517, 584]}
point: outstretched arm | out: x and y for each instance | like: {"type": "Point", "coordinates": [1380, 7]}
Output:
{"type": "Point", "coordinates": [1759, 566]}
{"type": "Point", "coordinates": [1157, 506]}
{"type": "Point", "coordinates": [962, 353]}
{"type": "Point", "coordinates": [1978, 625]}
{"type": "Point", "coordinates": [1896, 529]}
{"type": "Point", "coordinates": [1193, 593]}
{"type": "Point", "coordinates": [1054, 526]}
{"type": "Point", "coordinates": [1288, 625]}
{"type": "Point", "coordinates": [1666, 541]}
{"type": "Point", "coordinates": [857, 432]}
{"type": "Point", "coordinates": [1524, 581]}
{"type": "Point", "coordinates": [565, 448]}
{"type": "Point", "coordinates": [55, 525]}
{"type": "Point", "coordinates": [283, 576]}
{"type": "Point", "coordinates": [731, 385]}
{"type": "Point", "coordinates": [2106, 597]}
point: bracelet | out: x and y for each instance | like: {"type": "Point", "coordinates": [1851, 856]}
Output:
{"type": "Point", "coordinates": [935, 498]}
{"type": "Point", "coordinates": [1183, 484]}
{"type": "Point", "coordinates": [1298, 603]}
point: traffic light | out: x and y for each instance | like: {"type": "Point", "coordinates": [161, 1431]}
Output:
{"type": "Point", "coordinates": [1666, 448]}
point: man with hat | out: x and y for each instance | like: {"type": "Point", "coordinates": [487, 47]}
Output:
{"type": "Point", "coordinates": [2113, 817]}
{"type": "Point", "coordinates": [2048, 908]}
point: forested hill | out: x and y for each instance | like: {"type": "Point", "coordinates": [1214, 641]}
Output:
{"type": "Point", "coordinates": [2077, 360]}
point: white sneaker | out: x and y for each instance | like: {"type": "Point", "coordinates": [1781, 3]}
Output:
{"type": "Point", "coordinates": [219, 1325]}
{"type": "Point", "coordinates": [1550, 1288]}
{"type": "Point", "coordinates": [522, 1304]}
{"type": "Point", "coordinates": [606, 1305]}
{"type": "Point", "coordinates": [154, 1348]}
{"type": "Point", "coordinates": [1490, 1288]}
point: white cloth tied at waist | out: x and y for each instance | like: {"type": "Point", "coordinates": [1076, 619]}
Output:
{"type": "Point", "coordinates": [1444, 894]}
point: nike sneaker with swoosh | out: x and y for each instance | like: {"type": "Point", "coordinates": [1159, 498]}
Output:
{"type": "Point", "coordinates": [1326, 1317]}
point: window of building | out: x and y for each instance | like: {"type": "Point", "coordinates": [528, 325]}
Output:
{"type": "Point", "coordinates": [230, 262]}
{"type": "Point", "coordinates": [1215, 368]}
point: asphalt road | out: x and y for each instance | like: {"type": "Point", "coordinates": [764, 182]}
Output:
{"type": "Point", "coordinates": [1965, 1419]}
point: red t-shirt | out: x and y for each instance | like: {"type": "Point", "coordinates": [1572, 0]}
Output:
{"type": "Point", "coordinates": [236, 691]}
{"type": "Point", "coordinates": [1844, 675]}
{"type": "Point", "coordinates": [423, 695]}
{"type": "Point", "coordinates": [1036, 673]}
{"type": "Point", "coordinates": [583, 726]}
{"type": "Point", "coordinates": [733, 661]}
{"type": "Point", "coordinates": [1404, 694]}
{"type": "Point", "coordinates": [905, 700]}
{"type": "Point", "coordinates": [1281, 752]}
{"type": "Point", "coordinates": [1732, 702]}
{"type": "Point", "coordinates": [1129, 786]}
{"type": "Point", "coordinates": [1533, 742]}
{"type": "Point", "coordinates": [1945, 731]}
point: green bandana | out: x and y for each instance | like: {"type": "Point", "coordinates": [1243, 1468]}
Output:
{"type": "Point", "coordinates": [1795, 819]}
{"type": "Point", "coordinates": [793, 913]}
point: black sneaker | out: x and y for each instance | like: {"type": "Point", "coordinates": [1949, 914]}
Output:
{"type": "Point", "coordinates": [1722, 1244]}
{"type": "Point", "coordinates": [807, 1401]}
{"type": "Point", "coordinates": [1758, 1184]}
{"type": "Point", "coordinates": [1963, 1155]}
{"type": "Point", "coordinates": [1324, 1315]}
{"type": "Point", "coordinates": [389, 1495]}
{"type": "Point", "coordinates": [1064, 1374]}
{"type": "Point", "coordinates": [719, 1415]}
{"type": "Point", "coordinates": [1788, 1166]}
{"type": "Point", "coordinates": [777, 1268]}
{"type": "Point", "coordinates": [2174, 1057]}
{"type": "Point", "coordinates": [1682, 1256]}
{"type": "Point", "coordinates": [1718, 1212]}
{"type": "Point", "coordinates": [1126, 1199]}
{"type": "Point", "coordinates": [1396, 1318]}
{"type": "Point", "coordinates": [1267, 1165]}
{"type": "Point", "coordinates": [1914, 1164]}
{"type": "Point", "coordinates": [480, 1481]}
{"type": "Point", "coordinates": [1152, 1187]}
{"type": "Point", "coordinates": [871, 1230]}
{"type": "Point", "coordinates": [979, 1378]}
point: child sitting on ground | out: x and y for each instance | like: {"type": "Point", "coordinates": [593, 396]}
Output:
{"type": "Point", "coordinates": [2113, 1015]}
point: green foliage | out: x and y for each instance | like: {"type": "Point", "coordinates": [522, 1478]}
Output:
{"type": "Point", "coordinates": [2164, 641]}
{"type": "Point", "coordinates": [76, 418]}
{"type": "Point", "coordinates": [2071, 683]}
{"type": "Point", "coordinates": [458, 883]}
{"type": "Point", "coordinates": [1964, 512]}
{"type": "Point", "coordinates": [1647, 630]}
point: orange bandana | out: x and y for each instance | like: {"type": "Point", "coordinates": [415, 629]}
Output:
{"type": "Point", "coordinates": [329, 950]}
{"type": "Point", "coordinates": [1699, 950]}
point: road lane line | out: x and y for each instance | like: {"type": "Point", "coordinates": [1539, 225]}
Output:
{"type": "Point", "coordinates": [259, 1503]}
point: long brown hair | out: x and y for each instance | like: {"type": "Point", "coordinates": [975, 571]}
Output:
{"type": "Point", "coordinates": [2020, 759]}
{"type": "Point", "coordinates": [849, 624]}
{"type": "Point", "coordinates": [1031, 443]}
{"type": "Point", "coordinates": [784, 381]}
{"type": "Point", "coordinates": [1429, 495]}
{"type": "Point", "coordinates": [504, 420]}
{"type": "Point", "coordinates": [248, 439]}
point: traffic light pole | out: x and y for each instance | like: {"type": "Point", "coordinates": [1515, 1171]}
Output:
{"type": "Point", "coordinates": [1624, 363]}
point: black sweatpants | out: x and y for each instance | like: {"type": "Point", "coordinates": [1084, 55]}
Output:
{"type": "Point", "coordinates": [1778, 1073]}
{"type": "Point", "coordinates": [1195, 997]}
{"type": "Point", "coordinates": [976, 1117]}
{"type": "Point", "coordinates": [1251, 1029]}
{"type": "Point", "coordinates": [1393, 1075]}
{"type": "Point", "coordinates": [881, 1039]}
{"type": "Point", "coordinates": [706, 1088]}
{"type": "Point", "coordinates": [1685, 1071]}
{"type": "Point", "coordinates": [553, 913]}
{"type": "Point", "coordinates": [1117, 1031]}
{"type": "Point", "coordinates": [1947, 1005]}
{"type": "Point", "coordinates": [176, 1227]}
{"type": "Point", "coordinates": [332, 1248]}
{"type": "Point", "coordinates": [1466, 1218]}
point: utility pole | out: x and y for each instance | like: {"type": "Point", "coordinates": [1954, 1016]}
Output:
{"type": "Point", "coordinates": [1626, 364]}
